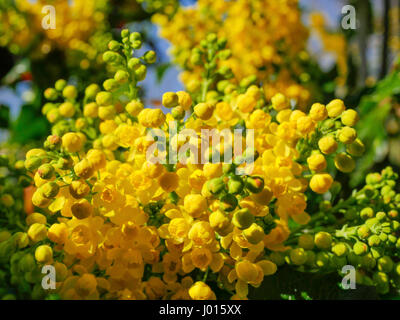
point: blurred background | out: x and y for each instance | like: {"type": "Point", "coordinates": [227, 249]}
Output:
{"type": "Point", "coordinates": [359, 66]}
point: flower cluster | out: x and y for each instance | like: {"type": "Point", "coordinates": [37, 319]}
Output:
{"type": "Point", "coordinates": [79, 29]}
{"type": "Point", "coordinates": [269, 47]}
{"type": "Point", "coordinates": [364, 235]}
{"type": "Point", "coordinates": [117, 225]}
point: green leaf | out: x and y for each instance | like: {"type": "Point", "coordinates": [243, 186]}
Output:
{"type": "Point", "coordinates": [161, 69]}
{"type": "Point", "coordinates": [4, 116]}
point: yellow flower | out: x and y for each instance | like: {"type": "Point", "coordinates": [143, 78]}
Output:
{"type": "Point", "coordinates": [151, 118]}
{"type": "Point", "coordinates": [44, 254]}
{"type": "Point", "coordinates": [169, 181]}
{"type": "Point", "coordinates": [327, 145]}
{"type": "Point", "coordinates": [246, 103]}
{"type": "Point", "coordinates": [279, 102]}
{"type": "Point", "coordinates": [58, 233]}
{"type": "Point", "coordinates": [335, 108]}
{"type": "Point", "coordinates": [184, 100]}
{"type": "Point", "coordinates": [201, 233]}
{"type": "Point", "coordinates": [72, 142]}
{"type": "Point", "coordinates": [347, 135]}
{"type": "Point", "coordinates": [344, 162]}
{"type": "Point", "coordinates": [82, 209]}
{"type": "Point", "coordinates": [201, 258]}
{"type": "Point", "coordinates": [170, 99]}
{"type": "Point", "coordinates": [350, 117]}
{"type": "Point", "coordinates": [204, 110]}
{"type": "Point", "coordinates": [318, 112]}
{"type": "Point", "coordinates": [195, 204]}
{"type": "Point", "coordinates": [201, 291]}
{"type": "Point", "coordinates": [321, 182]}
{"type": "Point", "coordinates": [316, 162]}
{"type": "Point", "coordinates": [84, 169]}
{"type": "Point", "coordinates": [37, 232]}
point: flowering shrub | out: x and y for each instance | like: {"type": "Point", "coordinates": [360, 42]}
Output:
{"type": "Point", "coordinates": [202, 223]}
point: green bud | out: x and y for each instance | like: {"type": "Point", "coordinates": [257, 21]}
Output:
{"type": "Point", "coordinates": [91, 91]}
{"type": "Point", "coordinates": [113, 58]}
{"type": "Point", "coordinates": [221, 43]}
{"type": "Point", "coordinates": [373, 178]}
{"type": "Point", "coordinates": [363, 232]}
{"type": "Point", "coordinates": [306, 241]}
{"type": "Point", "coordinates": [46, 171]}
{"type": "Point", "coordinates": [254, 184]}
{"type": "Point", "coordinates": [32, 163]}
{"type": "Point", "coordinates": [135, 36]}
{"type": "Point", "coordinates": [104, 98]}
{"type": "Point", "coordinates": [140, 72]}
{"type": "Point", "coordinates": [323, 240]}
{"type": "Point", "coordinates": [124, 33]}
{"type": "Point", "coordinates": [216, 185]}
{"type": "Point", "coordinates": [385, 264]}
{"type": "Point", "coordinates": [235, 185]}
{"type": "Point", "coordinates": [60, 84]}
{"type": "Point", "coordinates": [228, 168]}
{"type": "Point", "coordinates": [121, 76]}
{"type": "Point", "coordinates": [366, 213]}
{"type": "Point", "coordinates": [114, 45]}
{"type": "Point", "coordinates": [195, 59]}
{"type": "Point", "coordinates": [178, 113]}
{"type": "Point", "coordinates": [225, 54]}
{"type": "Point", "coordinates": [248, 81]}
{"type": "Point", "coordinates": [374, 241]}
{"type": "Point", "coordinates": [298, 256]}
{"type": "Point", "coordinates": [339, 249]}
{"type": "Point", "coordinates": [50, 189]}
{"type": "Point", "coordinates": [322, 259]}
{"type": "Point", "coordinates": [368, 261]}
{"type": "Point", "coordinates": [50, 94]}
{"type": "Point", "coordinates": [150, 57]}
{"type": "Point", "coordinates": [243, 218]}
{"type": "Point", "coordinates": [228, 202]}
{"type": "Point", "coordinates": [133, 63]}
{"type": "Point", "coordinates": [279, 259]}
{"type": "Point", "coordinates": [111, 85]}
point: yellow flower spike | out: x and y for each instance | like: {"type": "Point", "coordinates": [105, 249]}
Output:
{"type": "Point", "coordinates": [151, 118]}
{"type": "Point", "coordinates": [305, 125]}
{"type": "Point", "coordinates": [321, 182]}
{"type": "Point", "coordinates": [335, 108]}
{"type": "Point", "coordinates": [134, 108]}
{"type": "Point", "coordinates": [67, 109]}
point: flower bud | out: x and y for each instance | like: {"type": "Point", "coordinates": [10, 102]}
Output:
{"type": "Point", "coordinates": [82, 209]}
{"type": "Point", "coordinates": [242, 218]}
{"type": "Point", "coordinates": [335, 108]}
{"type": "Point", "coordinates": [134, 107]}
{"type": "Point", "coordinates": [254, 184]}
{"type": "Point", "coordinates": [323, 240]}
{"type": "Point", "coordinates": [49, 190]}
{"type": "Point", "coordinates": [150, 57]}
{"type": "Point", "coordinates": [44, 254]}
{"type": "Point", "coordinates": [204, 110]}
{"type": "Point", "coordinates": [344, 163]}
{"type": "Point", "coordinates": [37, 232]}
{"type": "Point", "coordinates": [298, 256]}
{"type": "Point", "coordinates": [84, 169]}
{"type": "Point", "coordinates": [70, 92]}
{"type": "Point", "coordinates": [254, 234]}
{"type": "Point", "coordinates": [228, 202]}
{"type": "Point", "coordinates": [46, 171]}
